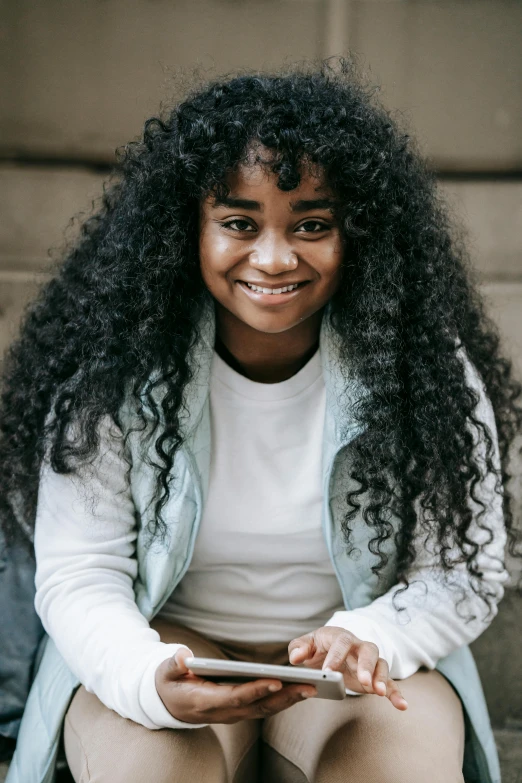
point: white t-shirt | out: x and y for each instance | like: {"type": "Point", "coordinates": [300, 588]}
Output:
{"type": "Point", "coordinates": [260, 571]}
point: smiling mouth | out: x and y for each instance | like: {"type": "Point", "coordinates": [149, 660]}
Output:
{"type": "Point", "coordinates": [283, 290]}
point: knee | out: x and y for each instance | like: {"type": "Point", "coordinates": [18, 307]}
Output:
{"type": "Point", "coordinates": [369, 757]}
{"type": "Point", "coordinates": [172, 756]}
{"type": "Point", "coordinates": [164, 756]}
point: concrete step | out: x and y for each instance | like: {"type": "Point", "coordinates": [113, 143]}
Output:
{"type": "Point", "coordinates": [509, 744]}
{"type": "Point", "coordinates": [498, 659]}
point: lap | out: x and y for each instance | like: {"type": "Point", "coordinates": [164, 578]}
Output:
{"type": "Point", "coordinates": [363, 738]}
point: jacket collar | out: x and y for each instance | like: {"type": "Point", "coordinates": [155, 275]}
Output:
{"type": "Point", "coordinates": [342, 395]}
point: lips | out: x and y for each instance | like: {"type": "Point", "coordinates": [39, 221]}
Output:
{"type": "Point", "coordinates": [272, 295]}
{"type": "Point", "coordinates": [268, 288]}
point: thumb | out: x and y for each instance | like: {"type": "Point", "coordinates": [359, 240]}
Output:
{"type": "Point", "coordinates": [298, 649]}
{"type": "Point", "coordinates": [176, 663]}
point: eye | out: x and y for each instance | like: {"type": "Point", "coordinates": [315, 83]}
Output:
{"type": "Point", "coordinates": [238, 225]}
{"type": "Point", "coordinates": [313, 226]}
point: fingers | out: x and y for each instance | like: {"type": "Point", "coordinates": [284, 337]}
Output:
{"type": "Point", "coordinates": [383, 685]}
{"type": "Point", "coordinates": [395, 696]}
{"type": "Point", "coordinates": [299, 655]}
{"type": "Point", "coordinates": [181, 656]}
{"type": "Point", "coordinates": [367, 666]}
{"type": "Point", "coordinates": [249, 700]}
{"type": "Point", "coordinates": [380, 677]}
{"type": "Point", "coordinates": [288, 696]}
{"type": "Point", "coordinates": [261, 702]}
{"type": "Point", "coordinates": [372, 672]}
{"type": "Point", "coordinates": [301, 649]}
{"type": "Point", "coordinates": [339, 650]}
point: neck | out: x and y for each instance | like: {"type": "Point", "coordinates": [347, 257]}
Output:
{"type": "Point", "coordinates": [263, 357]}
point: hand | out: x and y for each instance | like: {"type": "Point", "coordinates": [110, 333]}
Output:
{"type": "Point", "coordinates": [195, 700]}
{"type": "Point", "coordinates": [336, 648]}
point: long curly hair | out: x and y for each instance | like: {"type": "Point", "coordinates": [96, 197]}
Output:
{"type": "Point", "coordinates": [125, 303]}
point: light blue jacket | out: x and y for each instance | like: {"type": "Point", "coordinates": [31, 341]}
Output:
{"type": "Point", "coordinates": [160, 569]}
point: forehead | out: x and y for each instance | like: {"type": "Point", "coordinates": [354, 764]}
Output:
{"type": "Point", "coordinates": [258, 186]}
{"type": "Point", "coordinates": [254, 179]}
{"type": "Point", "coordinates": [256, 176]}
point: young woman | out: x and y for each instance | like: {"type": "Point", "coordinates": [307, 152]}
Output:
{"type": "Point", "coordinates": [258, 413]}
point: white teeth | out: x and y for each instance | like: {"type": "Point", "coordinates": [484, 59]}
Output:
{"type": "Point", "coordinates": [261, 290]}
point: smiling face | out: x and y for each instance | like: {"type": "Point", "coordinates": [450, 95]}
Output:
{"type": "Point", "coordinates": [263, 240]}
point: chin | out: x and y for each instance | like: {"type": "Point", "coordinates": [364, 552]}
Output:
{"type": "Point", "coordinates": [273, 325]}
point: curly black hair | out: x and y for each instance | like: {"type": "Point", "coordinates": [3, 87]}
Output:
{"type": "Point", "coordinates": [126, 300]}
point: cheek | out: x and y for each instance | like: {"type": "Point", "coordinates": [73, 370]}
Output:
{"type": "Point", "coordinates": [214, 259]}
{"type": "Point", "coordinates": [214, 272]}
{"type": "Point", "coordinates": [330, 262]}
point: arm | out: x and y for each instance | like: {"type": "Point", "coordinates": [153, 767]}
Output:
{"type": "Point", "coordinates": [85, 538]}
{"type": "Point", "coordinates": [430, 628]}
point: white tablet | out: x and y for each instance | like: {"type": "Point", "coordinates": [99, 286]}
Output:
{"type": "Point", "coordinates": [330, 685]}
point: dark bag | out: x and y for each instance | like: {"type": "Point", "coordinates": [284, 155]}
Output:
{"type": "Point", "coordinates": [20, 634]}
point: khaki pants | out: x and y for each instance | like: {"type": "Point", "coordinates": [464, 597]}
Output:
{"type": "Point", "coordinates": [362, 739]}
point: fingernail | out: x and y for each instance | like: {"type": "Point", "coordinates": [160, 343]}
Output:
{"type": "Point", "coordinates": [274, 688]}
{"type": "Point", "coordinates": [306, 695]}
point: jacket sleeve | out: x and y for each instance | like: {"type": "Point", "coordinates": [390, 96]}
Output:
{"type": "Point", "coordinates": [433, 623]}
{"type": "Point", "coordinates": [85, 536]}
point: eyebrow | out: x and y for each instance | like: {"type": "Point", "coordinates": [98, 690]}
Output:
{"type": "Point", "coordinates": [303, 205]}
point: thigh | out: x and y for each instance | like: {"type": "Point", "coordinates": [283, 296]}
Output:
{"type": "Point", "coordinates": [365, 739]}
{"type": "Point", "coordinates": [103, 747]}
{"type": "Point", "coordinates": [238, 741]}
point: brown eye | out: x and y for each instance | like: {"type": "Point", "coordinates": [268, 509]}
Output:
{"type": "Point", "coordinates": [238, 225]}
{"type": "Point", "coordinates": [313, 227]}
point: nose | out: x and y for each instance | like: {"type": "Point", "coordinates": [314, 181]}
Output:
{"type": "Point", "coordinates": [273, 256]}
